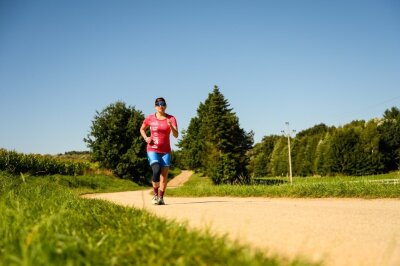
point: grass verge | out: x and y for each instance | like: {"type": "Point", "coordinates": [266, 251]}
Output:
{"type": "Point", "coordinates": [44, 222]}
{"type": "Point", "coordinates": [318, 187]}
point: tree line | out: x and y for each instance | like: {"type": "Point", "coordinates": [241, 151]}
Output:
{"type": "Point", "coordinates": [357, 148]}
{"type": "Point", "coordinates": [216, 145]}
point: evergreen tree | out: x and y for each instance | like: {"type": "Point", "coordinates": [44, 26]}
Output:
{"type": "Point", "coordinates": [305, 149]}
{"type": "Point", "coordinates": [302, 156]}
{"type": "Point", "coordinates": [370, 157]}
{"type": "Point", "coordinates": [389, 144]}
{"type": "Point", "coordinates": [354, 149]}
{"type": "Point", "coordinates": [215, 143]}
{"type": "Point", "coordinates": [341, 155]}
{"type": "Point", "coordinates": [319, 129]}
{"type": "Point", "coordinates": [279, 165]}
{"type": "Point", "coordinates": [322, 163]}
{"type": "Point", "coordinates": [191, 146]}
{"type": "Point", "coordinates": [260, 156]}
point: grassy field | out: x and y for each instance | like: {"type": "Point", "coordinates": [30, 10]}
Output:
{"type": "Point", "coordinates": [378, 186]}
{"type": "Point", "coordinates": [43, 221]}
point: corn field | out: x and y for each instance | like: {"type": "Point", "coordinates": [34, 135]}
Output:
{"type": "Point", "coordinates": [34, 164]}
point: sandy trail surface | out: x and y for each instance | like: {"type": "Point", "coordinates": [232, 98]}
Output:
{"type": "Point", "coordinates": [332, 231]}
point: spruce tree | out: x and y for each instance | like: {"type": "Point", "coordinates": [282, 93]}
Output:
{"type": "Point", "coordinates": [215, 143]}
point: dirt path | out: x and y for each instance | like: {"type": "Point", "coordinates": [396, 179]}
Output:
{"type": "Point", "coordinates": [180, 179]}
{"type": "Point", "coordinates": [335, 231]}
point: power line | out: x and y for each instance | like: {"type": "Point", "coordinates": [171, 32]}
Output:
{"type": "Point", "coordinates": [384, 102]}
{"type": "Point", "coordinates": [373, 106]}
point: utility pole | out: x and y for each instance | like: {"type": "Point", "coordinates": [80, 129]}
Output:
{"type": "Point", "coordinates": [288, 133]}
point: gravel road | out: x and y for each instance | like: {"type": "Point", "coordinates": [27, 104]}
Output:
{"type": "Point", "coordinates": [331, 231]}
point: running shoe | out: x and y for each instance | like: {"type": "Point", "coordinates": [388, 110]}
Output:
{"type": "Point", "coordinates": [155, 201]}
{"type": "Point", "coordinates": [161, 201]}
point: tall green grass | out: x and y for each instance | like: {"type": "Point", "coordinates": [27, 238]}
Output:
{"type": "Point", "coordinates": [43, 221]}
{"type": "Point", "coordinates": [349, 187]}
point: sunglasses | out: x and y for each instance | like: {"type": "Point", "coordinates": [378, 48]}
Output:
{"type": "Point", "coordinates": [161, 103]}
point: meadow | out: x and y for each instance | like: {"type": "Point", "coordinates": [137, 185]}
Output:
{"type": "Point", "coordinates": [376, 186]}
{"type": "Point", "coordinates": [43, 221]}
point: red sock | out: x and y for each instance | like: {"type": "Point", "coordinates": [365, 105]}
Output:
{"type": "Point", "coordinates": [155, 189]}
{"type": "Point", "coordinates": [161, 194]}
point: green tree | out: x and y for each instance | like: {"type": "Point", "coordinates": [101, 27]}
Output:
{"type": "Point", "coordinates": [215, 143]}
{"type": "Point", "coordinates": [322, 163]}
{"type": "Point", "coordinates": [354, 149]}
{"type": "Point", "coordinates": [389, 145]}
{"type": "Point", "coordinates": [341, 154]}
{"type": "Point", "coordinates": [260, 156]}
{"type": "Point", "coordinates": [357, 148]}
{"type": "Point", "coordinates": [305, 149]}
{"type": "Point", "coordinates": [300, 156]}
{"type": "Point", "coordinates": [279, 165]}
{"type": "Point", "coordinates": [190, 146]}
{"type": "Point", "coordinates": [368, 157]}
{"type": "Point", "coordinates": [115, 141]}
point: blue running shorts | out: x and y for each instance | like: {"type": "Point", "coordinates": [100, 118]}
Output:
{"type": "Point", "coordinates": [164, 159]}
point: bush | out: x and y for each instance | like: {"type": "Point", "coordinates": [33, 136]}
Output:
{"type": "Point", "coordinates": [116, 143]}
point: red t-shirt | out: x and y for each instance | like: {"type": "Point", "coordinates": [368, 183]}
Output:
{"type": "Point", "coordinates": [159, 131]}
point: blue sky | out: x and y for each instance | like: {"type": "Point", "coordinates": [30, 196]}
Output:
{"type": "Point", "coordinates": [302, 61]}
